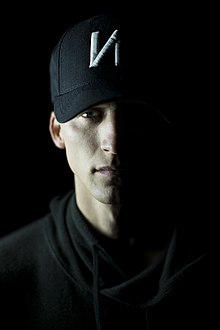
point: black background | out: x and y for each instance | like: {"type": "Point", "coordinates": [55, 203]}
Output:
{"type": "Point", "coordinates": [32, 168]}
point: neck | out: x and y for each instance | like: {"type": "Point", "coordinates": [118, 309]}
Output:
{"type": "Point", "coordinates": [136, 242]}
{"type": "Point", "coordinates": [130, 223]}
{"type": "Point", "coordinates": [102, 217]}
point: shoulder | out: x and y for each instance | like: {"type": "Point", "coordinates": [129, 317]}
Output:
{"type": "Point", "coordinates": [32, 231]}
{"type": "Point", "coordinates": [20, 245]}
{"type": "Point", "coordinates": [26, 246]}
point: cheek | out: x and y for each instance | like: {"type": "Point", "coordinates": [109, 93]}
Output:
{"type": "Point", "coordinates": [80, 148]}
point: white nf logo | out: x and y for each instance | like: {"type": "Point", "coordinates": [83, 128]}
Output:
{"type": "Point", "coordinates": [96, 54]}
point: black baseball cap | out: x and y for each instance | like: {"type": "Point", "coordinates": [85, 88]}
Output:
{"type": "Point", "coordinates": [103, 58]}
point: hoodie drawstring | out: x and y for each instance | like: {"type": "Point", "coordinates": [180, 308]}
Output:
{"type": "Point", "coordinates": [96, 287]}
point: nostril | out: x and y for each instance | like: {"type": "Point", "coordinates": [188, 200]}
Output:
{"type": "Point", "coordinates": [109, 149]}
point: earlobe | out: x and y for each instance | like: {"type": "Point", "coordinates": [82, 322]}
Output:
{"type": "Point", "coordinates": [54, 128]}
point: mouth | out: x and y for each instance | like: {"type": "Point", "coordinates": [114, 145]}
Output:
{"type": "Point", "coordinates": [109, 171]}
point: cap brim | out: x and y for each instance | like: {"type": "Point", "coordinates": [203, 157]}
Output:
{"type": "Point", "coordinates": [69, 105]}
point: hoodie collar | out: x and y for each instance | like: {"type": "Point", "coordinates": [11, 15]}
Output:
{"type": "Point", "coordinates": [89, 262]}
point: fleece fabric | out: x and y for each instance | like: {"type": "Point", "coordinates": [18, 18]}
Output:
{"type": "Point", "coordinates": [56, 273]}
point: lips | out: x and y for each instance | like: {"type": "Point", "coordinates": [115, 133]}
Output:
{"type": "Point", "coordinates": [108, 170]}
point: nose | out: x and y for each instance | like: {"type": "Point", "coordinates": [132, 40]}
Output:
{"type": "Point", "coordinates": [109, 134]}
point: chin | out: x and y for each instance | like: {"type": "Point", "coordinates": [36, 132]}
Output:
{"type": "Point", "coordinates": [108, 196]}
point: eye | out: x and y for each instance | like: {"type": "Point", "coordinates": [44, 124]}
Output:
{"type": "Point", "coordinates": [94, 115]}
{"type": "Point", "coordinates": [89, 114]}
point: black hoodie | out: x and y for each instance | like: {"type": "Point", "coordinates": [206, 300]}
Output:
{"type": "Point", "coordinates": [56, 273]}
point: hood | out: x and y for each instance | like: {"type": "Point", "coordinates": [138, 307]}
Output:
{"type": "Point", "coordinates": [89, 261]}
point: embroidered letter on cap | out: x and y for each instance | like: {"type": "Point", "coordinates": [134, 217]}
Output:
{"type": "Point", "coordinates": [96, 55]}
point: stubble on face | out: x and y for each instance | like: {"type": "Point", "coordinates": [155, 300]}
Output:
{"type": "Point", "coordinates": [106, 189]}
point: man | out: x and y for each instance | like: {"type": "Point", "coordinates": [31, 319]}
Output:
{"type": "Point", "coordinates": [112, 252]}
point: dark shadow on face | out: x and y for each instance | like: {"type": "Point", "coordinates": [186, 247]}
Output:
{"type": "Point", "coordinates": [147, 154]}
{"type": "Point", "coordinates": [146, 146]}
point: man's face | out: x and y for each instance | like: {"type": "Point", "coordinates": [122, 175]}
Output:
{"type": "Point", "coordinates": [112, 147]}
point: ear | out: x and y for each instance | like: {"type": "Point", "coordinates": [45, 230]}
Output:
{"type": "Point", "coordinates": [54, 128]}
